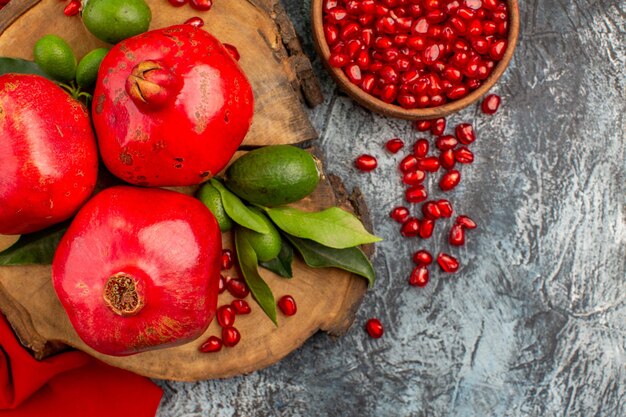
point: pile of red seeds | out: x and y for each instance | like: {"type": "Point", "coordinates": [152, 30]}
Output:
{"type": "Point", "coordinates": [227, 313]}
{"type": "Point", "coordinates": [416, 53]}
{"type": "Point", "coordinates": [413, 169]}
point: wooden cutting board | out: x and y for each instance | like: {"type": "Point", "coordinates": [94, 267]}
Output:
{"type": "Point", "coordinates": [281, 77]}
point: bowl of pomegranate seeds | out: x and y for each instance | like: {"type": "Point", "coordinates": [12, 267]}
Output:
{"type": "Point", "coordinates": [415, 59]}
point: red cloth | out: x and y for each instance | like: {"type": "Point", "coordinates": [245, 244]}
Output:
{"type": "Point", "coordinates": [70, 384]}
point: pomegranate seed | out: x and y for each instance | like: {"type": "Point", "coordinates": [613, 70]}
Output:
{"type": "Point", "coordinates": [366, 163]}
{"type": "Point", "coordinates": [426, 228]}
{"type": "Point", "coordinates": [202, 5]}
{"type": "Point", "coordinates": [212, 344]}
{"type": "Point", "coordinates": [287, 305]}
{"type": "Point", "coordinates": [230, 336]}
{"type": "Point", "coordinates": [446, 142]}
{"type": "Point", "coordinates": [195, 21]}
{"type": "Point", "coordinates": [429, 164]}
{"type": "Point", "coordinates": [178, 3]}
{"type": "Point", "coordinates": [465, 133]}
{"type": "Point", "coordinates": [450, 180]}
{"type": "Point", "coordinates": [445, 208]}
{"type": "Point", "coordinates": [490, 104]}
{"type": "Point", "coordinates": [457, 235]}
{"type": "Point", "coordinates": [408, 164]}
{"type": "Point", "coordinates": [446, 159]}
{"type": "Point", "coordinates": [222, 285]}
{"type": "Point", "coordinates": [419, 277]}
{"type": "Point", "coordinates": [420, 149]}
{"type": "Point", "coordinates": [414, 177]}
{"type": "Point", "coordinates": [233, 51]}
{"type": "Point", "coordinates": [431, 210]}
{"type": "Point", "coordinates": [410, 228]}
{"type": "Point", "coordinates": [241, 306]}
{"type": "Point", "coordinates": [72, 8]}
{"type": "Point", "coordinates": [338, 60]}
{"type": "Point", "coordinates": [399, 214]}
{"type": "Point", "coordinates": [227, 259]}
{"type": "Point", "coordinates": [237, 288]}
{"type": "Point", "coordinates": [466, 222]}
{"type": "Point", "coordinates": [448, 263]}
{"type": "Point", "coordinates": [329, 5]}
{"type": "Point", "coordinates": [438, 126]}
{"type": "Point", "coordinates": [416, 194]}
{"type": "Point", "coordinates": [225, 316]}
{"type": "Point", "coordinates": [374, 328]}
{"type": "Point", "coordinates": [422, 125]}
{"type": "Point", "coordinates": [463, 155]}
{"type": "Point", "coordinates": [422, 257]}
{"type": "Point", "coordinates": [394, 145]}
{"type": "Point", "coordinates": [331, 33]}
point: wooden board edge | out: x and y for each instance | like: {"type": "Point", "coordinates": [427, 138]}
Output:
{"type": "Point", "coordinates": [12, 11]}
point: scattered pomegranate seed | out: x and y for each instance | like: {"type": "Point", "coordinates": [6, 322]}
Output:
{"type": "Point", "coordinates": [422, 125]}
{"type": "Point", "coordinates": [374, 328]}
{"type": "Point", "coordinates": [178, 3]}
{"type": "Point", "coordinates": [457, 235]}
{"type": "Point", "coordinates": [225, 316]}
{"type": "Point", "coordinates": [466, 222]}
{"type": "Point", "coordinates": [414, 177]}
{"type": "Point", "coordinates": [447, 159]}
{"type": "Point", "coordinates": [287, 305]}
{"type": "Point", "coordinates": [241, 306]}
{"type": "Point", "coordinates": [195, 21]}
{"type": "Point", "coordinates": [430, 164]}
{"type": "Point", "coordinates": [426, 228]}
{"type": "Point", "coordinates": [201, 5]}
{"type": "Point", "coordinates": [422, 257]}
{"type": "Point", "coordinates": [399, 214]}
{"type": "Point", "coordinates": [416, 194]}
{"type": "Point", "coordinates": [431, 210]}
{"type": "Point", "coordinates": [448, 263]}
{"type": "Point", "coordinates": [230, 336]}
{"type": "Point", "coordinates": [490, 104]}
{"type": "Point", "coordinates": [419, 277]}
{"type": "Point", "coordinates": [72, 8]}
{"type": "Point", "coordinates": [463, 155]}
{"type": "Point", "coordinates": [212, 344]}
{"type": "Point", "coordinates": [222, 285]}
{"type": "Point", "coordinates": [465, 133]}
{"type": "Point", "coordinates": [450, 180]}
{"type": "Point", "coordinates": [366, 163]}
{"type": "Point", "coordinates": [445, 208]}
{"type": "Point", "coordinates": [237, 288]}
{"type": "Point", "coordinates": [438, 126]}
{"type": "Point", "coordinates": [408, 164]}
{"type": "Point", "coordinates": [410, 228]}
{"type": "Point", "coordinates": [394, 145]}
{"type": "Point", "coordinates": [446, 142]}
{"type": "Point", "coordinates": [233, 51]}
{"type": "Point", "coordinates": [420, 149]}
{"type": "Point", "coordinates": [227, 259]}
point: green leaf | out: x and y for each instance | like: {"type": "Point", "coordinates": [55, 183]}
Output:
{"type": "Point", "coordinates": [281, 265]}
{"type": "Point", "coordinates": [258, 287]}
{"type": "Point", "coordinates": [333, 227]}
{"type": "Point", "coordinates": [319, 256]}
{"type": "Point", "coordinates": [35, 248]}
{"type": "Point", "coordinates": [20, 66]}
{"type": "Point", "coordinates": [238, 212]}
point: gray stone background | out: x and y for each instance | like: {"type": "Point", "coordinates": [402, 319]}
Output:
{"type": "Point", "coordinates": [534, 323]}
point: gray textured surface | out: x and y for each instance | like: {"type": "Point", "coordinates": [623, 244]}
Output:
{"type": "Point", "coordinates": [534, 324]}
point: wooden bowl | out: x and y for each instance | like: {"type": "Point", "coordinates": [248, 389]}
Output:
{"type": "Point", "coordinates": [374, 104]}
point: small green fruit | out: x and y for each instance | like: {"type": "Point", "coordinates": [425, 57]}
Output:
{"type": "Point", "coordinates": [87, 70]}
{"type": "Point", "coordinates": [211, 198]}
{"type": "Point", "coordinates": [56, 58]}
{"type": "Point", "coordinates": [266, 246]}
{"type": "Point", "coordinates": [115, 20]}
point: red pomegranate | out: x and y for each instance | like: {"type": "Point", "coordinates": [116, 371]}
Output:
{"type": "Point", "coordinates": [171, 107]}
{"type": "Point", "coordinates": [138, 269]}
{"type": "Point", "coordinates": [48, 154]}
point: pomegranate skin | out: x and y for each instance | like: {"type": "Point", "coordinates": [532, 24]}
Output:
{"type": "Point", "coordinates": [170, 107]}
{"type": "Point", "coordinates": [167, 245]}
{"type": "Point", "coordinates": [48, 154]}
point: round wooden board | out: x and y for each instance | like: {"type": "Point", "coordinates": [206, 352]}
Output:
{"type": "Point", "coordinates": [327, 298]}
